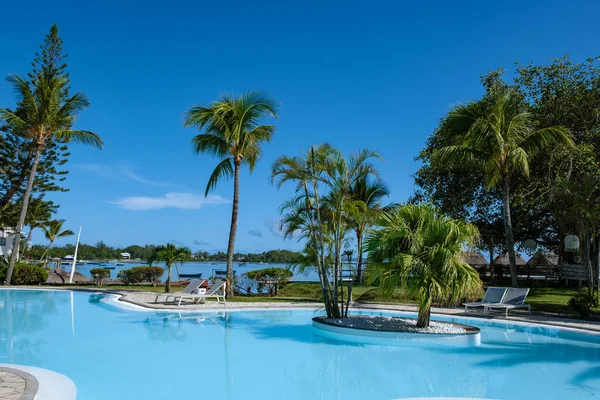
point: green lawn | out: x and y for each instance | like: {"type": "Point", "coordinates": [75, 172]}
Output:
{"type": "Point", "coordinates": [545, 299]}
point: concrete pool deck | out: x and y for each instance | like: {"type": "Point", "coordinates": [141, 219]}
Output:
{"type": "Point", "coordinates": [146, 300]}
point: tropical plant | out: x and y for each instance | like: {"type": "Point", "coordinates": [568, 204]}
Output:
{"type": "Point", "coordinates": [45, 117]}
{"type": "Point", "coordinates": [26, 274]}
{"type": "Point", "coordinates": [270, 279]}
{"type": "Point", "coordinates": [232, 132]}
{"type": "Point", "coordinates": [420, 248]}
{"type": "Point", "coordinates": [100, 274]}
{"type": "Point", "coordinates": [317, 214]}
{"type": "Point", "coordinates": [52, 231]}
{"type": "Point", "coordinates": [583, 302]}
{"type": "Point", "coordinates": [38, 215]}
{"type": "Point", "coordinates": [171, 255]}
{"type": "Point", "coordinates": [499, 140]}
{"type": "Point", "coordinates": [366, 195]}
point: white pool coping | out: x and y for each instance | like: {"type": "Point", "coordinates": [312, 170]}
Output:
{"type": "Point", "coordinates": [51, 384]}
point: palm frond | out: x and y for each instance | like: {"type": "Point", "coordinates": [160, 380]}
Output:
{"type": "Point", "coordinates": [223, 170]}
{"type": "Point", "coordinates": [79, 136]}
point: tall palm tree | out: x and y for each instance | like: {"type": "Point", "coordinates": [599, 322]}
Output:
{"type": "Point", "coordinates": [171, 255]}
{"type": "Point", "coordinates": [52, 231]}
{"type": "Point", "coordinates": [45, 116]}
{"type": "Point", "coordinates": [366, 195]}
{"type": "Point", "coordinates": [232, 132]}
{"type": "Point", "coordinates": [420, 247]}
{"type": "Point", "coordinates": [499, 139]}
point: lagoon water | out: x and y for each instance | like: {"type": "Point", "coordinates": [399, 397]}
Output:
{"type": "Point", "coordinates": [206, 268]}
{"type": "Point", "coordinates": [119, 354]}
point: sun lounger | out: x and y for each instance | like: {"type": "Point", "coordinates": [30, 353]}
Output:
{"type": "Point", "coordinates": [514, 298]}
{"type": "Point", "coordinates": [212, 292]}
{"type": "Point", "coordinates": [189, 289]}
{"type": "Point", "coordinates": [492, 295]}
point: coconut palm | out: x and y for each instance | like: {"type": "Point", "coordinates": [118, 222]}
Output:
{"type": "Point", "coordinates": [232, 132]}
{"type": "Point", "coordinates": [45, 116]}
{"type": "Point", "coordinates": [366, 195]}
{"type": "Point", "coordinates": [171, 255]}
{"type": "Point", "coordinates": [52, 231]}
{"type": "Point", "coordinates": [39, 213]}
{"type": "Point", "coordinates": [499, 139]}
{"type": "Point", "coordinates": [419, 247]}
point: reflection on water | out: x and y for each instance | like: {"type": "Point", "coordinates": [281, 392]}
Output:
{"type": "Point", "coordinates": [275, 354]}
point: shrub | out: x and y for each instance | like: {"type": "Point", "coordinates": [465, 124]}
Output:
{"type": "Point", "coordinates": [141, 274]}
{"type": "Point", "coordinates": [583, 302]}
{"type": "Point", "coordinates": [270, 279]}
{"type": "Point", "coordinates": [25, 274]}
{"type": "Point", "coordinates": [99, 274]}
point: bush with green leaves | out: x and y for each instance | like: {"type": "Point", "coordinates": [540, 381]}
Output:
{"type": "Point", "coordinates": [270, 279]}
{"type": "Point", "coordinates": [141, 274]}
{"type": "Point", "coordinates": [100, 274]}
{"type": "Point", "coordinates": [583, 302]}
{"type": "Point", "coordinates": [25, 274]}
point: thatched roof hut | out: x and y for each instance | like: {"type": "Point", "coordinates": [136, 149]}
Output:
{"type": "Point", "coordinates": [503, 260]}
{"type": "Point", "coordinates": [543, 259]}
{"type": "Point", "coordinates": [474, 258]}
{"type": "Point", "coordinates": [59, 277]}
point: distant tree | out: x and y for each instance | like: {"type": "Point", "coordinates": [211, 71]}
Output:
{"type": "Point", "coordinates": [39, 214]}
{"type": "Point", "coordinates": [54, 230]}
{"type": "Point", "coordinates": [232, 132]}
{"type": "Point", "coordinates": [171, 255]}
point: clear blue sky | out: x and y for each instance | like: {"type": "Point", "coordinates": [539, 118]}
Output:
{"type": "Point", "coordinates": [352, 73]}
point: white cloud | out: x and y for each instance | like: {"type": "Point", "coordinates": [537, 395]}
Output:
{"type": "Point", "coordinates": [122, 171]}
{"type": "Point", "coordinates": [185, 201]}
{"type": "Point", "coordinates": [276, 226]}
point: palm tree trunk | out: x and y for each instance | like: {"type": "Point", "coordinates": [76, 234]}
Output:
{"type": "Point", "coordinates": [15, 253]}
{"type": "Point", "coordinates": [424, 310]}
{"type": "Point", "coordinates": [168, 283]}
{"type": "Point", "coordinates": [27, 241]}
{"type": "Point", "coordinates": [45, 251]}
{"type": "Point", "coordinates": [233, 229]}
{"type": "Point", "coordinates": [359, 257]}
{"type": "Point", "coordinates": [508, 232]}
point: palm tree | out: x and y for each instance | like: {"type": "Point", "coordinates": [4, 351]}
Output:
{"type": "Point", "coordinates": [366, 195]}
{"type": "Point", "coordinates": [45, 116]}
{"type": "Point", "coordinates": [39, 213]}
{"type": "Point", "coordinates": [52, 231]}
{"type": "Point", "coordinates": [417, 245]}
{"type": "Point", "coordinates": [499, 138]}
{"type": "Point", "coordinates": [232, 132]}
{"type": "Point", "coordinates": [171, 255]}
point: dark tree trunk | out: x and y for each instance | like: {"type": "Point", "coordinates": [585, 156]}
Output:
{"type": "Point", "coordinates": [359, 257]}
{"type": "Point", "coordinates": [491, 248]}
{"type": "Point", "coordinates": [508, 232]}
{"type": "Point", "coordinates": [237, 162]}
{"type": "Point", "coordinates": [17, 242]}
{"type": "Point", "coordinates": [168, 283]}
{"type": "Point", "coordinates": [424, 311]}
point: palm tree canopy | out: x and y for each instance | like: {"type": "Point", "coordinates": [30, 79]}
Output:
{"type": "Point", "coordinates": [171, 254]}
{"type": "Point", "coordinates": [417, 243]}
{"type": "Point", "coordinates": [53, 230]}
{"type": "Point", "coordinates": [497, 138]}
{"type": "Point", "coordinates": [232, 131]}
{"type": "Point", "coordinates": [44, 114]}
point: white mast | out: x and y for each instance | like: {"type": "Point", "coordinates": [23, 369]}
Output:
{"type": "Point", "coordinates": [75, 257]}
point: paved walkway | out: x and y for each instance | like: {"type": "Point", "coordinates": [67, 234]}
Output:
{"type": "Point", "coordinates": [147, 300]}
{"type": "Point", "coordinates": [17, 385]}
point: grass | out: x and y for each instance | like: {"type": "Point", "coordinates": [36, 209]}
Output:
{"type": "Point", "coordinates": [545, 299]}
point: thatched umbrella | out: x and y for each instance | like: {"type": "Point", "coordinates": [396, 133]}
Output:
{"type": "Point", "coordinates": [543, 259]}
{"type": "Point", "coordinates": [59, 277]}
{"type": "Point", "coordinates": [503, 260]}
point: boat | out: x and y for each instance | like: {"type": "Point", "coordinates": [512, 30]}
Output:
{"type": "Point", "coordinates": [120, 264]}
{"type": "Point", "coordinates": [221, 273]}
{"type": "Point", "coordinates": [242, 264]}
{"type": "Point", "coordinates": [197, 276]}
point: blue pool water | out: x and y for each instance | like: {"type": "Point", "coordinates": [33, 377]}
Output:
{"type": "Point", "coordinates": [113, 353]}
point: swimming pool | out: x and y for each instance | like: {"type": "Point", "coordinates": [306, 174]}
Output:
{"type": "Point", "coordinates": [115, 353]}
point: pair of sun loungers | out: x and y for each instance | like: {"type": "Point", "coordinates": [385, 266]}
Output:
{"type": "Point", "coordinates": [193, 292]}
{"type": "Point", "coordinates": [500, 299]}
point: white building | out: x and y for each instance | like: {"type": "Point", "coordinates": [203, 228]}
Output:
{"type": "Point", "coordinates": [125, 256]}
{"type": "Point", "coordinates": [7, 238]}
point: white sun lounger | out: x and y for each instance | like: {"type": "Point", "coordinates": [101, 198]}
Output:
{"type": "Point", "coordinates": [189, 289]}
{"type": "Point", "coordinates": [212, 292]}
{"type": "Point", "coordinates": [492, 295]}
{"type": "Point", "coordinates": [514, 298]}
